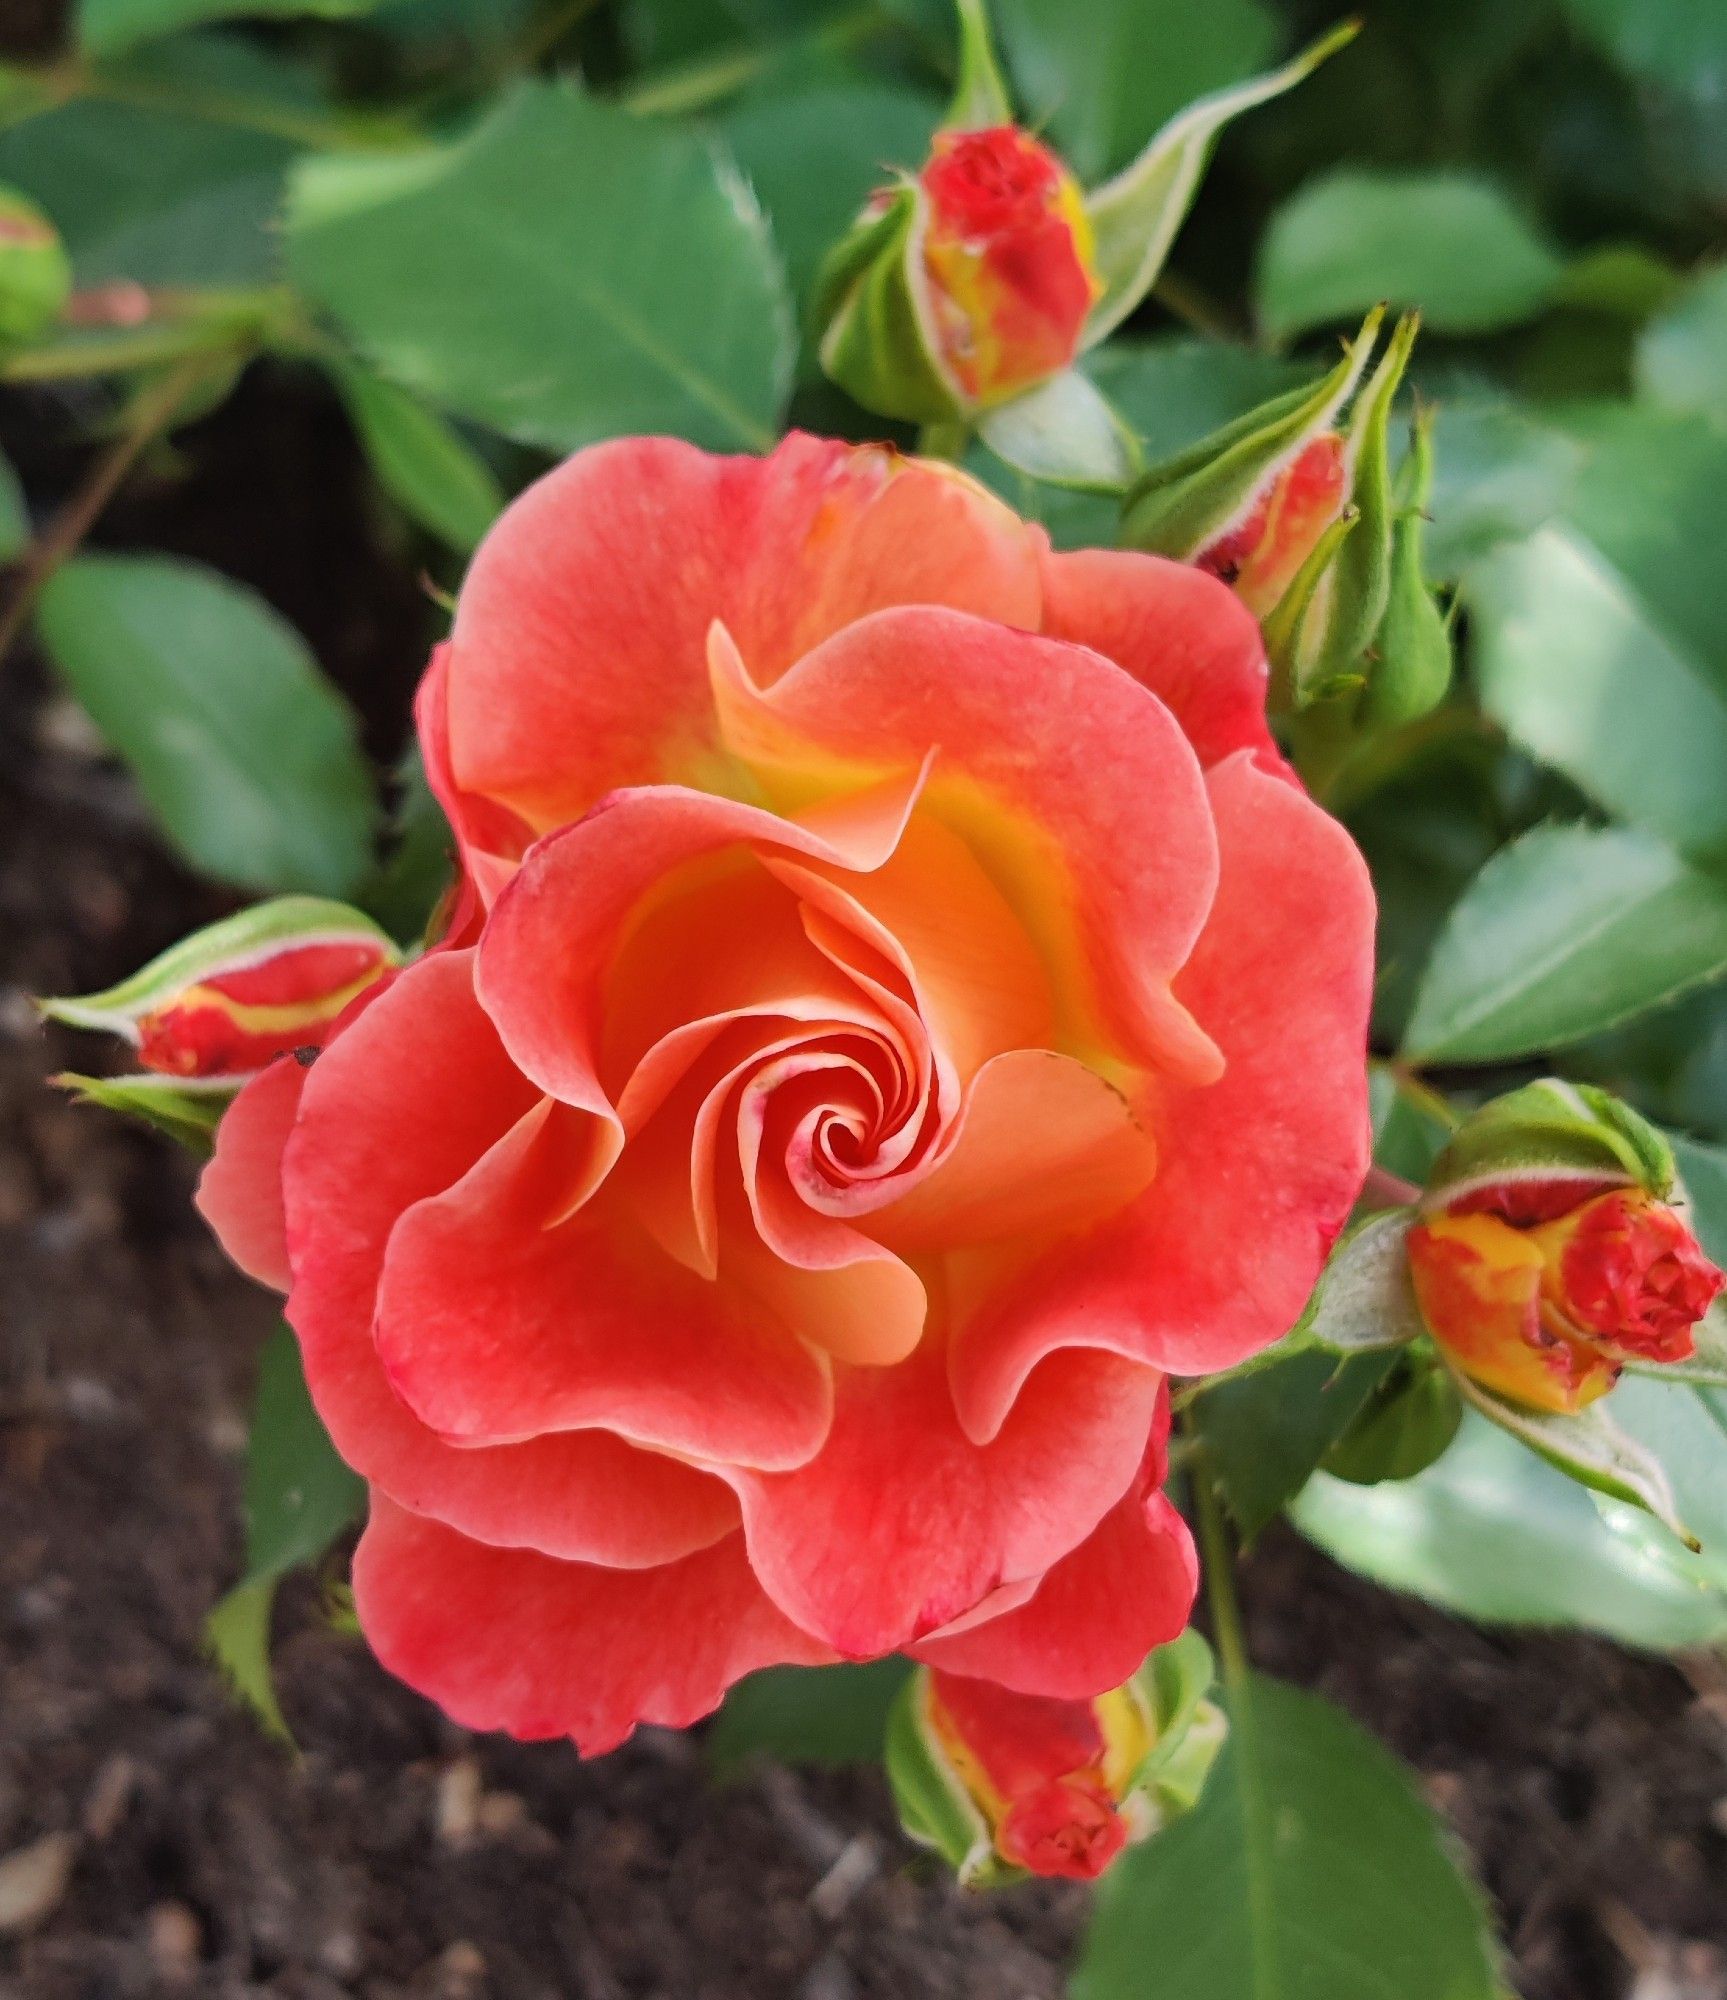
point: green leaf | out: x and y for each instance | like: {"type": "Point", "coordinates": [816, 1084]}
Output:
{"type": "Point", "coordinates": [1065, 434]}
{"type": "Point", "coordinates": [1364, 1299]}
{"type": "Point", "coordinates": [244, 750]}
{"type": "Point", "coordinates": [1682, 355]}
{"type": "Point", "coordinates": [1103, 76]}
{"type": "Point", "coordinates": [1410, 1419]}
{"type": "Point", "coordinates": [1622, 589]}
{"type": "Point", "coordinates": [159, 196]}
{"type": "Point", "coordinates": [1565, 932]}
{"type": "Point", "coordinates": [1266, 1431]}
{"type": "Point", "coordinates": [1678, 42]}
{"type": "Point", "coordinates": [106, 27]}
{"type": "Point", "coordinates": [299, 1494]}
{"type": "Point", "coordinates": [422, 463]}
{"type": "Point", "coordinates": [1449, 244]}
{"type": "Point", "coordinates": [1499, 473]}
{"type": "Point", "coordinates": [403, 891]}
{"type": "Point", "coordinates": [1682, 1427]}
{"type": "Point", "coordinates": [809, 1715]}
{"type": "Point", "coordinates": [506, 277]}
{"type": "Point", "coordinates": [299, 1498]}
{"type": "Point", "coordinates": [1311, 1869]}
{"type": "Point", "coordinates": [1588, 1446]}
{"type": "Point", "coordinates": [1494, 1533]}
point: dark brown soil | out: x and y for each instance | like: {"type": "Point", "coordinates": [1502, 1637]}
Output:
{"type": "Point", "coordinates": [402, 1860]}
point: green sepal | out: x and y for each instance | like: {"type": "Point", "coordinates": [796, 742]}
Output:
{"type": "Point", "coordinates": [1552, 1130]}
{"type": "Point", "coordinates": [980, 95]}
{"type": "Point", "coordinates": [1360, 587]}
{"type": "Point", "coordinates": [1364, 1300]}
{"type": "Point", "coordinates": [185, 1109]}
{"type": "Point", "coordinates": [935, 1809]}
{"type": "Point", "coordinates": [1188, 1728]}
{"type": "Point", "coordinates": [1136, 215]}
{"type": "Point", "coordinates": [35, 272]}
{"type": "Point", "coordinates": [1303, 603]}
{"type": "Point", "coordinates": [1064, 432]}
{"type": "Point", "coordinates": [870, 316]}
{"type": "Point", "coordinates": [1408, 1421]}
{"type": "Point", "coordinates": [1412, 650]}
{"type": "Point", "coordinates": [218, 947]}
{"type": "Point", "coordinates": [1587, 1446]}
{"type": "Point", "coordinates": [1187, 501]}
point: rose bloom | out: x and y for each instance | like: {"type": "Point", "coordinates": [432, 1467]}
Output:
{"type": "Point", "coordinates": [913, 1011]}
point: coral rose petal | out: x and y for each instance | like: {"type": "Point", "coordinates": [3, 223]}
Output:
{"type": "Point", "coordinates": [399, 1108]}
{"type": "Point", "coordinates": [240, 1190]}
{"type": "Point", "coordinates": [1179, 632]}
{"type": "Point", "coordinates": [511, 1639]}
{"type": "Point", "coordinates": [902, 1524]}
{"type": "Point", "coordinates": [1097, 1613]}
{"type": "Point", "coordinates": [1256, 1172]}
{"type": "Point", "coordinates": [557, 928]}
{"type": "Point", "coordinates": [1046, 1144]}
{"type": "Point", "coordinates": [1070, 782]}
{"type": "Point", "coordinates": [576, 661]}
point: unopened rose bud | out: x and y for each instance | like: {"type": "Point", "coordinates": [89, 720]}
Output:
{"type": "Point", "coordinates": [224, 1002]}
{"type": "Point", "coordinates": [1004, 1784]}
{"type": "Point", "coordinates": [990, 271]}
{"type": "Point", "coordinates": [1547, 1253]}
{"type": "Point", "coordinates": [35, 275]}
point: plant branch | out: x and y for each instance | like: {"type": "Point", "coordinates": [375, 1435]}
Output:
{"type": "Point", "coordinates": [150, 416]}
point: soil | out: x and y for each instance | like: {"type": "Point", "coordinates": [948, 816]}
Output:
{"type": "Point", "coordinates": [162, 1845]}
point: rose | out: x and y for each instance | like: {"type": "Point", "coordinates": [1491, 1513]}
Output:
{"type": "Point", "coordinates": [1545, 1294]}
{"type": "Point", "coordinates": [915, 1010]}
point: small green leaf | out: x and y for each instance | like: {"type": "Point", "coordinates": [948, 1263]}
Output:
{"type": "Point", "coordinates": [423, 464]}
{"type": "Point", "coordinates": [1364, 1299]}
{"type": "Point", "coordinates": [1494, 1533]}
{"type": "Point", "coordinates": [1565, 932]}
{"type": "Point", "coordinates": [1265, 1432]}
{"type": "Point", "coordinates": [14, 515]}
{"type": "Point", "coordinates": [1450, 245]}
{"type": "Point", "coordinates": [1065, 434]}
{"type": "Point", "coordinates": [1587, 1446]}
{"type": "Point", "coordinates": [245, 751]}
{"type": "Point", "coordinates": [1311, 1869]}
{"type": "Point", "coordinates": [504, 277]}
{"type": "Point", "coordinates": [299, 1498]}
{"type": "Point", "coordinates": [809, 1715]}
{"type": "Point", "coordinates": [403, 891]}
{"type": "Point", "coordinates": [1409, 1421]}
{"type": "Point", "coordinates": [186, 1111]}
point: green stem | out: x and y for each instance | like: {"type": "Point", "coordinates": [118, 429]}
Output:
{"type": "Point", "coordinates": [1217, 1558]}
{"type": "Point", "coordinates": [695, 86]}
{"type": "Point", "coordinates": [150, 417]}
{"type": "Point", "coordinates": [191, 324]}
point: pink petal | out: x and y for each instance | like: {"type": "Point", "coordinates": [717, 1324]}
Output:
{"type": "Point", "coordinates": [1179, 632]}
{"type": "Point", "coordinates": [512, 1639]}
{"type": "Point", "coordinates": [240, 1191]}
{"type": "Point", "coordinates": [399, 1108]}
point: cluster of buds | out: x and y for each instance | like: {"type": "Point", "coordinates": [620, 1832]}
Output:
{"type": "Point", "coordinates": [987, 274]}
{"type": "Point", "coordinates": [1004, 1785]}
{"type": "Point", "coordinates": [215, 1008]}
{"type": "Point", "coordinates": [1549, 1251]}
{"type": "Point", "coordinates": [1295, 506]}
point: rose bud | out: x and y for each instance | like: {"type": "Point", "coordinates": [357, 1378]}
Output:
{"type": "Point", "coordinates": [1004, 1785]}
{"type": "Point", "coordinates": [1293, 506]}
{"type": "Point", "coordinates": [1547, 1254]}
{"type": "Point", "coordinates": [35, 275]}
{"type": "Point", "coordinates": [989, 272]}
{"type": "Point", "coordinates": [221, 1004]}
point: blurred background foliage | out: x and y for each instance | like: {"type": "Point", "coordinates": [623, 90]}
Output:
{"type": "Point", "coordinates": [493, 230]}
